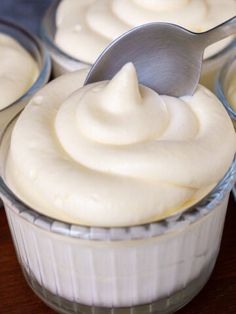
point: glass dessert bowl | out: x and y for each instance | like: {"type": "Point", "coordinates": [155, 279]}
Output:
{"type": "Point", "coordinates": [64, 61]}
{"type": "Point", "coordinates": [151, 268]}
{"type": "Point", "coordinates": [226, 90]}
{"type": "Point", "coordinates": [15, 37]}
{"type": "Point", "coordinates": [124, 257]}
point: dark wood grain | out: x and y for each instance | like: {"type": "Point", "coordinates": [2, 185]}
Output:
{"type": "Point", "coordinates": [218, 296]}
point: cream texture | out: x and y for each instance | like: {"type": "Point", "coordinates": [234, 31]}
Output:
{"type": "Point", "coordinates": [18, 70]}
{"type": "Point", "coordinates": [116, 153]}
{"type": "Point", "coordinates": [86, 27]}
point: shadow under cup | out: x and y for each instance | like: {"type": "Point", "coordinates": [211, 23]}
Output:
{"type": "Point", "coordinates": [151, 268]}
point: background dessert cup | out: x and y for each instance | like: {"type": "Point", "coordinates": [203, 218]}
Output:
{"type": "Point", "coordinates": [39, 54]}
{"type": "Point", "coordinates": [151, 268]}
{"type": "Point", "coordinates": [62, 62]}
{"type": "Point", "coordinates": [226, 91]}
{"type": "Point", "coordinates": [211, 66]}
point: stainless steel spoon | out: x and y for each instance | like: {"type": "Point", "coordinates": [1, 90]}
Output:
{"type": "Point", "coordinates": [167, 57]}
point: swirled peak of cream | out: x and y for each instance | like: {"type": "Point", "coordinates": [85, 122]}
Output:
{"type": "Point", "coordinates": [116, 153]}
{"type": "Point", "coordinates": [86, 27]}
{"type": "Point", "coordinates": [18, 70]}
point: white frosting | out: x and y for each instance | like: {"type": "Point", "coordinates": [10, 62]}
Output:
{"type": "Point", "coordinates": [116, 153]}
{"type": "Point", "coordinates": [86, 27]}
{"type": "Point", "coordinates": [18, 70]}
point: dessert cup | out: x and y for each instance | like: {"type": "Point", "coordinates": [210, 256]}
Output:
{"type": "Point", "coordinates": [223, 83]}
{"type": "Point", "coordinates": [212, 65]}
{"type": "Point", "coordinates": [150, 268]}
{"type": "Point", "coordinates": [63, 63]}
{"type": "Point", "coordinates": [39, 54]}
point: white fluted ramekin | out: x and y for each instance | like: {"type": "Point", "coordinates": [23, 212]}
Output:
{"type": "Point", "coordinates": [150, 268]}
{"type": "Point", "coordinates": [223, 83]}
{"type": "Point", "coordinates": [36, 49]}
{"type": "Point", "coordinates": [63, 63]}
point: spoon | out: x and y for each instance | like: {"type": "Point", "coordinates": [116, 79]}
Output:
{"type": "Point", "coordinates": [167, 57]}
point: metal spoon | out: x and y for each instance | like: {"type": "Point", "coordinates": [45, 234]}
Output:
{"type": "Point", "coordinates": [167, 57]}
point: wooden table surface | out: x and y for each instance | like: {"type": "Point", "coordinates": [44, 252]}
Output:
{"type": "Point", "coordinates": [218, 296]}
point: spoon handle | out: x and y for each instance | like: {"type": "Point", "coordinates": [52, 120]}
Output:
{"type": "Point", "coordinates": [219, 32]}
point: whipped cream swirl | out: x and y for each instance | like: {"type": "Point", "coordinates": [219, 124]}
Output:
{"type": "Point", "coordinates": [82, 24]}
{"type": "Point", "coordinates": [116, 153]}
{"type": "Point", "coordinates": [18, 70]}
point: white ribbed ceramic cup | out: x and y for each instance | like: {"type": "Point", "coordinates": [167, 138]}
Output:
{"type": "Point", "coordinates": [223, 83]}
{"type": "Point", "coordinates": [63, 63]}
{"type": "Point", "coordinates": [150, 268]}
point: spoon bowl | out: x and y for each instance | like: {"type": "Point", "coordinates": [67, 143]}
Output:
{"type": "Point", "coordinates": [167, 57]}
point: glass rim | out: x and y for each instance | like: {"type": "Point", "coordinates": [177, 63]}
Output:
{"type": "Point", "coordinates": [49, 41]}
{"type": "Point", "coordinates": [219, 86]}
{"type": "Point", "coordinates": [44, 69]}
{"type": "Point", "coordinates": [173, 222]}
